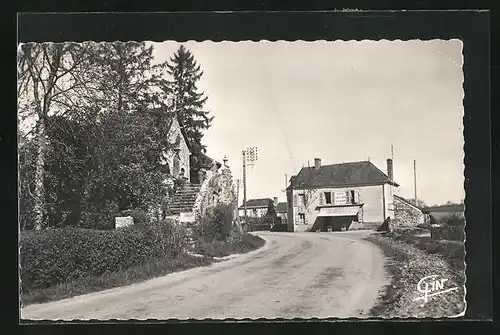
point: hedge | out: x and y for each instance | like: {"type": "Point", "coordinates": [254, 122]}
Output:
{"type": "Point", "coordinates": [54, 256]}
{"type": "Point", "coordinates": [280, 227]}
{"type": "Point", "coordinates": [260, 227]}
{"type": "Point", "coordinates": [447, 232]}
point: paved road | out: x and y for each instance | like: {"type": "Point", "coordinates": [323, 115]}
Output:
{"type": "Point", "coordinates": [293, 275]}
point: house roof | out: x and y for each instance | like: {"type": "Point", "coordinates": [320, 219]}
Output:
{"type": "Point", "coordinates": [257, 203]}
{"type": "Point", "coordinates": [338, 175]}
{"type": "Point", "coordinates": [206, 161]}
{"type": "Point", "coordinates": [409, 203]}
{"type": "Point", "coordinates": [282, 207]}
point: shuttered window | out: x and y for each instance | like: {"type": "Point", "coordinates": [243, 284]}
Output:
{"type": "Point", "coordinates": [302, 200]}
{"type": "Point", "coordinates": [356, 197]}
{"type": "Point", "coordinates": [349, 197]}
{"type": "Point", "coordinates": [321, 198]}
{"type": "Point", "coordinates": [328, 198]}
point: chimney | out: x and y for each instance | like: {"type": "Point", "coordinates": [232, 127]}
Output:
{"type": "Point", "coordinates": [390, 172]}
{"type": "Point", "coordinates": [276, 201]}
{"type": "Point", "coordinates": [317, 163]}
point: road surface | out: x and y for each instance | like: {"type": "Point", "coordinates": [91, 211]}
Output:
{"type": "Point", "coordinates": [294, 275]}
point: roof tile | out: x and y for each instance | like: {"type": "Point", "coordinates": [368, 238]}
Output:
{"type": "Point", "coordinates": [337, 175]}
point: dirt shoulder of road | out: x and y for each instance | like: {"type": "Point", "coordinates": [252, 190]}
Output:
{"type": "Point", "coordinates": [406, 265]}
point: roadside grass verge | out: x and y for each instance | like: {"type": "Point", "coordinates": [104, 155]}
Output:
{"type": "Point", "coordinates": [147, 270]}
{"type": "Point", "coordinates": [214, 248]}
{"type": "Point", "coordinates": [406, 264]}
{"type": "Point", "coordinates": [452, 251]}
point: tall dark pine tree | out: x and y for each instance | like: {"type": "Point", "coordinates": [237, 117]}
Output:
{"type": "Point", "coordinates": [189, 102]}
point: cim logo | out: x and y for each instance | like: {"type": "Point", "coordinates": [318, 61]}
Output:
{"type": "Point", "coordinates": [431, 286]}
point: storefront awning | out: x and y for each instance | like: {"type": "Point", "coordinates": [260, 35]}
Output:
{"type": "Point", "coordinates": [339, 211]}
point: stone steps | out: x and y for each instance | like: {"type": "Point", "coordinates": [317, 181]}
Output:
{"type": "Point", "coordinates": [184, 198]}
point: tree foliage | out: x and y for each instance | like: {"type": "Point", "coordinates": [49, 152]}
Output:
{"type": "Point", "coordinates": [271, 212]}
{"type": "Point", "coordinates": [189, 101]}
{"type": "Point", "coordinates": [52, 79]}
{"type": "Point", "coordinates": [98, 120]}
{"type": "Point", "coordinates": [420, 203]}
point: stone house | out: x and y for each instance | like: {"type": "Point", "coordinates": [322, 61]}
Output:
{"type": "Point", "coordinates": [282, 211]}
{"type": "Point", "coordinates": [177, 158]}
{"type": "Point", "coordinates": [334, 196]}
{"type": "Point", "coordinates": [257, 208]}
{"type": "Point", "coordinates": [179, 161]}
{"type": "Point", "coordinates": [406, 213]}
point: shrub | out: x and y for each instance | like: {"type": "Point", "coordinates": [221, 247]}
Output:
{"type": "Point", "coordinates": [215, 224]}
{"type": "Point", "coordinates": [53, 256]}
{"type": "Point", "coordinates": [447, 232]}
{"type": "Point", "coordinates": [236, 243]}
{"type": "Point", "coordinates": [280, 227]}
{"type": "Point", "coordinates": [97, 218]}
{"type": "Point", "coordinates": [445, 218]}
{"type": "Point", "coordinates": [456, 220]}
{"type": "Point", "coordinates": [260, 227]}
{"type": "Point", "coordinates": [140, 217]}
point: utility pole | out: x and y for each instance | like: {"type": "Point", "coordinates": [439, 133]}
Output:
{"type": "Point", "coordinates": [415, 180]}
{"type": "Point", "coordinates": [245, 187]}
{"type": "Point", "coordinates": [392, 152]}
{"type": "Point", "coordinates": [237, 200]}
{"type": "Point", "coordinates": [250, 155]}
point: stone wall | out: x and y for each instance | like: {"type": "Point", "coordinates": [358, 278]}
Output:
{"type": "Point", "coordinates": [177, 159]}
{"type": "Point", "coordinates": [406, 215]}
{"type": "Point", "coordinates": [217, 188]}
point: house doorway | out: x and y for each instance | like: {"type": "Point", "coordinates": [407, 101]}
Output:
{"type": "Point", "coordinates": [335, 223]}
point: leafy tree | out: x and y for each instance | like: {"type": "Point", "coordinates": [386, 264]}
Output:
{"type": "Point", "coordinates": [102, 129]}
{"type": "Point", "coordinates": [127, 78]}
{"type": "Point", "coordinates": [271, 213]}
{"type": "Point", "coordinates": [67, 166]}
{"type": "Point", "coordinates": [50, 77]}
{"type": "Point", "coordinates": [420, 203]}
{"type": "Point", "coordinates": [189, 102]}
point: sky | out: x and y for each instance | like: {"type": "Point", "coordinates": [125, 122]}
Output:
{"type": "Point", "coordinates": [341, 101]}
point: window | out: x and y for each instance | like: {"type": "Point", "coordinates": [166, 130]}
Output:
{"type": "Point", "coordinates": [255, 211]}
{"type": "Point", "coordinates": [340, 198]}
{"type": "Point", "coordinates": [302, 199]}
{"type": "Point", "coordinates": [302, 218]}
{"type": "Point", "coordinates": [349, 197]}
{"type": "Point", "coordinates": [352, 197]}
{"type": "Point", "coordinates": [355, 197]}
{"type": "Point", "coordinates": [328, 198]}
